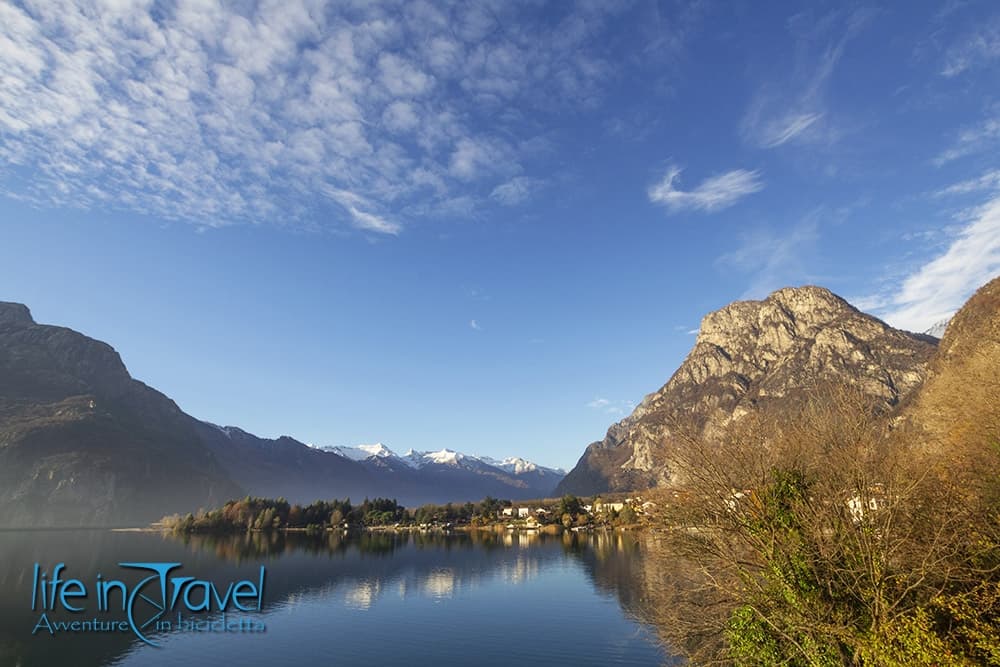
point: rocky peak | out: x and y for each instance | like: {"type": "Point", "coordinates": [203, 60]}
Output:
{"type": "Point", "coordinates": [778, 321]}
{"type": "Point", "coordinates": [14, 315]}
{"type": "Point", "coordinates": [53, 361]}
{"type": "Point", "coordinates": [755, 356]}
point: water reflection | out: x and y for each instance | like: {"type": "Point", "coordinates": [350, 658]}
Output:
{"type": "Point", "coordinates": [498, 587]}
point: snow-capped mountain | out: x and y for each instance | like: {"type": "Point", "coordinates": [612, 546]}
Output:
{"type": "Point", "coordinates": [445, 457]}
{"type": "Point", "coordinates": [938, 329]}
{"type": "Point", "coordinates": [514, 465]}
{"type": "Point", "coordinates": [518, 466]}
{"type": "Point", "coordinates": [364, 452]}
{"type": "Point", "coordinates": [453, 474]}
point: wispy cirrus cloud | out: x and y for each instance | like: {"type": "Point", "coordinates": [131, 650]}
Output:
{"type": "Point", "coordinates": [771, 258]}
{"type": "Point", "coordinates": [978, 47]}
{"type": "Point", "coordinates": [795, 110]}
{"type": "Point", "coordinates": [612, 407]}
{"type": "Point", "coordinates": [981, 137]}
{"type": "Point", "coordinates": [516, 191]}
{"type": "Point", "coordinates": [293, 112]}
{"type": "Point", "coordinates": [988, 181]}
{"type": "Point", "coordinates": [712, 194]}
{"type": "Point", "coordinates": [935, 289]}
{"type": "Point", "coordinates": [779, 130]}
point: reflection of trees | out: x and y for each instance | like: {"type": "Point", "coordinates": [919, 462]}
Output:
{"type": "Point", "coordinates": [629, 567]}
{"type": "Point", "coordinates": [356, 570]}
{"type": "Point", "coordinates": [241, 547]}
{"type": "Point", "coordinates": [423, 562]}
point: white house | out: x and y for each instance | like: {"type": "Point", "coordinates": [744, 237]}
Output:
{"type": "Point", "coordinates": [859, 506]}
{"type": "Point", "coordinates": [523, 512]}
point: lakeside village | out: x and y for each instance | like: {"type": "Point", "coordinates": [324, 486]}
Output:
{"type": "Point", "coordinates": [547, 515]}
{"type": "Point", "coordinates": [568, 513]}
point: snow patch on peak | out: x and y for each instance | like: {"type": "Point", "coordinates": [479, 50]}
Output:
{"type": "Point", "coordinates": [378, 449]}
{"type": "Point", "coordinates": [518, 466]}
{"type": "Point", "coordinates": [938, 329]}
{"type": "Point", "coordinates": [445, 457]}
{"type": "Point", "coordinates": [363, 452]}
{"type": "Point", "coordinates": [513, 465]}
{"type": "Point", "coordinates": [368, 452]}
{"type": "Point", "coordinates": [224, 429]}
{"type": "Point", "coordinates": [352, 453]}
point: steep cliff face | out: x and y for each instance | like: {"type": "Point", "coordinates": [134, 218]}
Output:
{"type": "Point", "coordinates": [754, 356]}
{"type": "Point", "coordinates": [82, 443]}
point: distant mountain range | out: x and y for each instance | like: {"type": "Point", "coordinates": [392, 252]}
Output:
{"type": "Point", "coordinates": [381, 456]}
{"type": "Point", "coordinates": [82, 443]}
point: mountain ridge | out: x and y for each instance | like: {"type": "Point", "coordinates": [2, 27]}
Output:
{"type": "Point", "coordinates": [753, 356]}
{"type": "Point", "coordinates": [84, 443]}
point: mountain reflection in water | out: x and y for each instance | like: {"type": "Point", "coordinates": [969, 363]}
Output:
{"type": "Point", "coordinates": [376, 598]}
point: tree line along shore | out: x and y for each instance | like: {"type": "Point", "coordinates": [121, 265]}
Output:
{"type": "Point", "coordinates": [277, 514]}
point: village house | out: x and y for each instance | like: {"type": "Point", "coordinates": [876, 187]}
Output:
{"type": "Point", "coordinates": [860, 506]}
{"type": "Point", "coordinates": [609, 507]}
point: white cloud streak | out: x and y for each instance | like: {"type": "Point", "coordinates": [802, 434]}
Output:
{"type": "Point", "coordinates": [773, 259]}
{"type": "Point", "coordinates": [609, 407]}
{"type": "Point", "coordinates": [795, 111]}
{"type": "Point", "coordinates": [713, 194]}
{"type": "Point", "coordinates": [975, 49]}
{"type": "Point", "coordinates": [516, 191]}
{"type": "Point", "coordinates": [971, 140]}
{"type": "Point", "coordinates": [935, 290]}
{"type": "Point", "coordinates": [988, 181]}
{"type": "Point", "coordinates": [778, 131]}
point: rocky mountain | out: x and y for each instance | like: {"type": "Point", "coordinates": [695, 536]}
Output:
{"type": "Point", "coordinates": [83, 443]}
{"type": "Point", "coordinates": [753, 356]}
{"type": "Point", "coordinates": [957, 409]}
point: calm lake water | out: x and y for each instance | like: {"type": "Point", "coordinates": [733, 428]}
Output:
{"type": "Point", "coordinates": [374, 599]}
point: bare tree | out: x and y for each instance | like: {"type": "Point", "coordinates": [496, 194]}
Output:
{"type": "Point", "coordinates": [825, 537]}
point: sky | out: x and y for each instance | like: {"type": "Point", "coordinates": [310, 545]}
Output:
{"type": "Point", "coordinates": [487, 226]}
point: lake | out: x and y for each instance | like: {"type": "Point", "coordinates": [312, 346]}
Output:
{"type": "Point", "coordinates": [377, 599]}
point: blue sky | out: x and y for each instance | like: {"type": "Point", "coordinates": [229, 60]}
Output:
{"type": "Point", "coordinates": [485, 226]}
